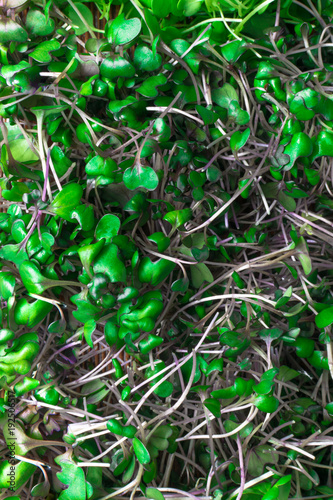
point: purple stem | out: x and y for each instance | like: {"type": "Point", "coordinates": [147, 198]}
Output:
{"type": "Point", "coordinates": [31, 230]}
{"type": "Point", "coordinates": [179, 372]}
{"type": "Point", "coordinates": [46, 175]}
{"type": "Point", "coordinates": [67, 346]}
{"type": "Point", "coordinates": [39, 213]}
{"type": "Point", "coordinates": [212, 160]}
{"type": "Point", "coordinates": [311, 223]}
{"type": "Point", "coordinates": [235, 218]}
{"type": "Point", "coordinates": [242, 469]}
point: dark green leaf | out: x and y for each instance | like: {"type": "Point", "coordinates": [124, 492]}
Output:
{"type": "Point", "coordinates": [107, 262]}
{"type": "Point", "coordinates": [41, 489]}
{"type": "Point", "coordinates": [259, 457]}
{"type": "Point", "coordinates": [10, 31]}
{"type": "Point", "coordinates": [238, 114]}
{"type": "Point", "coordinates": [299, 146]}
{"type": "Point", "coordinates": [154, 272]}
{"type": "Point", "coordinates": [233, 50]}
{"type": "Point", "coordinates": [199, 274]}
{"type": "Point", "coordinates": [215, 365]}
{"type": "Point", "coordinates": [37, 24]}
{"type": "Point", "coordinates": [161, 8]}
{"type": "Point", "coordinates": [145, 59]}
{"type": "Point", "coordinates": [271, 333]}
{"type": "Point", "coordinates": [225, 95]}
{"type": "Point", "coordinates": [285, 298]}
{"type": "Point", "coordinates": [149, 87]}
{"type": "Point", "coordinates": [206, 114]}
{"type": "Point", "coordinates": [161, 131]}
{"type": "Point", "coordinates": [180, 285]}
{"type": "Point", "coordinates": [81, 22]}
{"type": "Point", "coordinates": [286, 374]}
{"type": "Point", "coordinates": [117, 66]}
{"type": "Point", "coordinates": [161, 241]}
{"type": "Point", "coordinates": [214, 406]}
{"type": "Point", "coordinates": [84, 214]}
{"type": "Point", "coordinates": [88, 254]}
{"type": "Point", "coordinates": [286, 201]}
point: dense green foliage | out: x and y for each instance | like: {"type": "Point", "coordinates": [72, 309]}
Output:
{"type": "Point", "coordinates": [166, 249]}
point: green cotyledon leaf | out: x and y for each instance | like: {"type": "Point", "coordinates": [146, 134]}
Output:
{"type": "Point", "coordinates": [22, 470]}
{"type": "Point", "coordinates": [299, 146]}
{"type": "Point", "coordinates": [200, 273]}
{"type": "Point", "coordinates": [30, 314]}
{"type": "Point", "coordinates": [145, 59]}
{"type": "Point", "coordinates": [7, 284]}
{"type": "Point", "coordinates": [190, 7]}
{"type": "Point", "coordinates": [154, 272]}
{"type": "Point", "coordinates": [88, 254]}
{"type": "Point", "coordinates": [107, 227]}
{"type": "Point", "coordinates": [154, 494]}
{"type": "Point", "coordinates": [73, 476]}
{"type": "Point", "coordinates": [117, 66]}
{"type": "Point", "coordinates": [178, 217]}
{"type": "Point", "coordinates": [66, 201]}
{"type": "Point", "coordinates": [88, 330]}
{"type": "Point", "coordinates": [259, 457]}
{"type": "Point", "coordinates": [324, 318]}
{"type": "Point", "coordinates": [37, 24]}
{"type": "Point", "coordinates": [161, 8]}
{"type": "Point", "coordinates": [42, 51]}
{"type": "Point", "coordinates": [10, 31]}
{"type": "Point", "coordinates": [161, 241]}
{"type": "Point", "coordinates": [225, 95]}
{"type": "Point", "coordinates": [192, 57]}
{"type": "Point", "coordinates": [214, 406]}
{"type": "Point", "coordinates": [107, 262]}
{"type": "Point", "coordinates": [34, 281]}
{"type": "Point", "coordinates": [81, 17]}
{"type": "Point", "coordinates": [122, 31]}
{"type": "Point", "coordinates": [141, 451]}
{"type": "Point", "coordinates": [239, 139]}
{"type": "Point", "coordinates": [22, 152]}
{"type": "Point", "coordinates": [140, 176]}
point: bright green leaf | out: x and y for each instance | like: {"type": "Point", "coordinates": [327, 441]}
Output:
{"type": "Point", "coordinates": [122, 31]}
{"type": "Point", "coordinates": [149, 87]}
{"type": "Point", "coordinates": [239, 139]}
{"type": "Point", "coordinates": [324, 318]}
{"type": "Point", "coordinates": [41, 52]}
{"type": "Point", "coordinates": [66, 201]}
{"type": "Point", "coordinates": [140, 176]}
{"type": "Point", "coordinates": [107, 228]}
{"type": "Point", "coordinates": [141, 451]}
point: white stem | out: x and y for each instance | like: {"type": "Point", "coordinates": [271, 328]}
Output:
{"type": "Point", "coordinates": [252, 483]}
{"type": "Point", "coordinates": [42, 154]}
